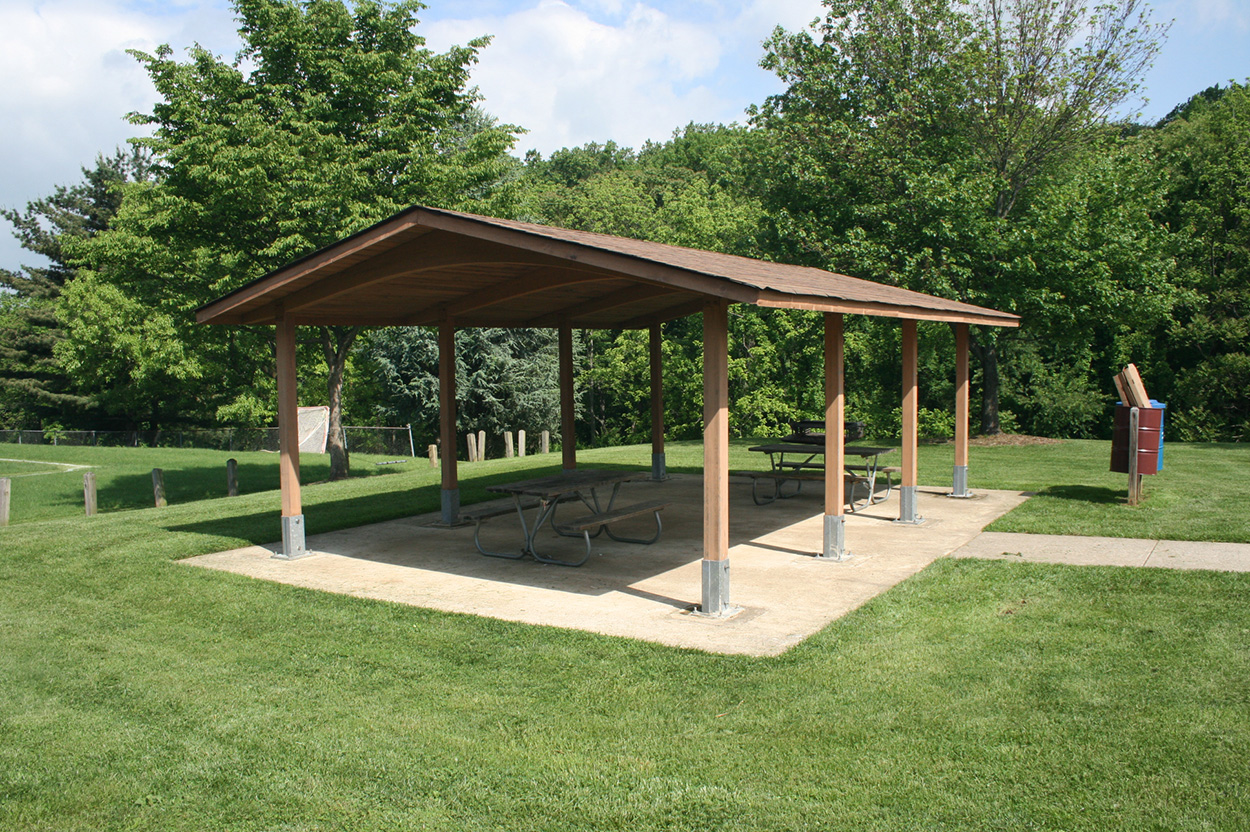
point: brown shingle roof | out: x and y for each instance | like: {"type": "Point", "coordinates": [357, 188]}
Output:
{"type": "Point", "coordinates": [424, 264]}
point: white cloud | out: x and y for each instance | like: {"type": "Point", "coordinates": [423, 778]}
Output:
{"type": "Point", "coordinates": [569, 77]}
{"type": "Point", "coordinates": [66, 85]}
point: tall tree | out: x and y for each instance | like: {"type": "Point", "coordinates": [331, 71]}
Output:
{"type": "Point", "coordinates": [30, 376]}
{"type": "Point", "coordinates": [915, 136]}
{"type": "Point", "coordinates": [1206, 146]}
{"type": "Point", "coordinates": [329, 119]}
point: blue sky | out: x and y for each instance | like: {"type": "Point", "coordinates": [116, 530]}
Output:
{"type": "Point", "coordinates": [570, 71]}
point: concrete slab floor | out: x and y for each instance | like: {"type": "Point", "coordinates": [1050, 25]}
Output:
{"type": "Point", "coordinates": [645, 592]}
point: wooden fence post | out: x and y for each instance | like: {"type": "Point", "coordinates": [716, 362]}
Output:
{"type": "Point", "coordinates": [232, 478]}
{"type": "Point", "coordinates": [481, 445]}
{"type": "Point", "coordinates": [88, 492]}
{"type": "Point", "coordinates": [158, 487]}
{"type": "Point", "coordinates": [520, 443]}
{"type": "Point", "coordinates": [507, 444]}
{"type": "Point", "coordinates": [544, 442]}
{"type": "Point", "coordinates": [6, 494]}
{"type": "Point", "coordinates": [472, 440]}
{"type": "Point", "coordinates": [433, 452]}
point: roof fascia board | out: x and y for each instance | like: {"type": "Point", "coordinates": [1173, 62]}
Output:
{"type": "Point", "coordinates": [778, 300]}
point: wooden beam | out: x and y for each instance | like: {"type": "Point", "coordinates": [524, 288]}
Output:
{"type": "Point", "coordinates": [656, 350]}
{"type": "Point", "coordinates": [715, 430]}
{"type": "Point", "coordinates": [587, 253]}
{"type": "Point", "coordinates": [911, 400]}
{"type": "Point", "coordinates": [535, 280]}
{"type": "Point", "coordinates": [962, 410]}
{"type": "Point", "coordinates": [835, 415]}
{"type": "Point", "coordinates": [315, 262]}
{"type": "Point", "coordinates": [447, 402]}
{"type": "Point", "coordinates": [614, 300]}
{"type": "Point", "coordinates": [680, 310]}
{"type": "Point", "coordinates": [989, 317]}
{"type": "Point", "coordinates": [428, 253]}
{"type": "Point", "coordinates": [288, 420]}
{"type": "Point", "coordinates": [568, 422]}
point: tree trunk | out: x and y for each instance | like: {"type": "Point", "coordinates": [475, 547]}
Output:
{"type": "Point", "coordinates": [988, 353]}
{"type": "Point", "coordinates": [336, 343]}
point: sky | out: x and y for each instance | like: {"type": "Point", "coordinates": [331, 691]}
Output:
{"type": "Point", "coordinates": [569, 71]}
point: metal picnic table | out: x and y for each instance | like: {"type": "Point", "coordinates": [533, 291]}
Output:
{"type": "Point", "coordinates": [582, 485]}
{"type": "Point", "coordinates": [808, 453]}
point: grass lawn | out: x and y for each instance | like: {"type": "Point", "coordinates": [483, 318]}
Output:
{"type": "Point", "coordinates": [1198, 496]}
{"type": "Point", "coordinates": [137, 693]}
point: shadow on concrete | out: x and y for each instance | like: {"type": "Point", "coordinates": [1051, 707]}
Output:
{"type": "Point", "coordinates": [414, 542]}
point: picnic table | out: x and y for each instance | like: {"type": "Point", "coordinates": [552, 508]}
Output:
{"type": "Point", "coordinates": [803, 465]}
{"type": "Point", "coordinates": [546, 493]}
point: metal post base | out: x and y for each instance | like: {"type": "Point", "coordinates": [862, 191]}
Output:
{"type": "Point", "coordinates": [659, 472]}
{"type": "Point", "coordinates": [716, 589]}
{"type": "Point", "coordinates": [293, 546]}
{"type": "Point", "coordinates": [451, 506]}
{"type": "Point", "coordinates": [959, 483]}
{"type": "Point", "coordinates": [835, 538]}
{"type": "Point", "coordinates": [907, 506]}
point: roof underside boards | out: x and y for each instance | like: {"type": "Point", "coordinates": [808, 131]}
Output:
{"type": "Point", "coordinates": [426, 265]}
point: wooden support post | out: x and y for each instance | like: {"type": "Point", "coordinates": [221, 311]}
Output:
{"type": "Point", "coordinates": [232, 478]}
{"type": "Point", "coordinates": [447, 421]}
{"type": "Point", "coordinates": [520, 443]}
{"type": "Point", "coordinates": [959, 481]}
{"type": "Point", "coordinates": [432, 452]}
{"type": "Point", "coordinates": [470, 441]}
{"type": "Point", "coordinates": [507, 444]}
{"type": "Point", "coordinates": [481, 445]}
{"type": "Point", "coordinates": [911, 400]}
{"type": "Point", "coordinates": [158, 487]}
{"type": "Point", "coordinates": [288, 443]}
{"type": "Point", "coordinates": [835, 440]}
{"type": "Point", "coordinates": [715, 457]}
{"type": "Point", "coordinates": [544, 442]}
{"type": "Point", "coordinates": [6, 497]}
{"type": "Point", "coordinates": [568, 423]}
{"type": "Point", "coordinates": [88, 493]}
{"type": "Point", "coordinates": [659, 467]}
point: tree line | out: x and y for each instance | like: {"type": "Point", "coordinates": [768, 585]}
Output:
{"type": "Point", "coordinates": [963, 150]}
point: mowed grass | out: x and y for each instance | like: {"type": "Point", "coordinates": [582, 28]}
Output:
{"type": "Point", "coordinates": [42, 491]}
{"type": "Point", "coordinates": [1199, 495]}
{"type": "Point", "coordinates": [140, 693]}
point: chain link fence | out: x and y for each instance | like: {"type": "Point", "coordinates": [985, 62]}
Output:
{"type": "Point", "coordinates": [393, 441]}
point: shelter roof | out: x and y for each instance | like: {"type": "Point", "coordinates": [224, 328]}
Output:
{"type": "Point", "coordinates": [424, 265]}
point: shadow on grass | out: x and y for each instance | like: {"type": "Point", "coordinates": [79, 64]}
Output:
{"type": "Point", "coordinates": [191, 485]}
{"type": "Point", "coordinates": [261, 527]}
{"type": "Point", "coordinates": [1100, 495]}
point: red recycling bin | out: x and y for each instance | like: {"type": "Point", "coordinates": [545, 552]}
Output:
{"type": "Point", "coordinates": [1149, 440]}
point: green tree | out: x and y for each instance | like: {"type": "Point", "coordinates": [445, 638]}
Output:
{"type": "Point", "coordinates": [506, 379]}
{"type": "Point", "coordinates": [1206, 146]}
{"type": "Point", "coordinates": [917, 138]}
{"type": "Point", "coordinates": [329, 119]}
{"type": "Point", "coordinates": [31, 380]}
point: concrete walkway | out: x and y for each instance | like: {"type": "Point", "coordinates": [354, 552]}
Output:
{"type": "Point", "coordinates": [1108, 551]}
